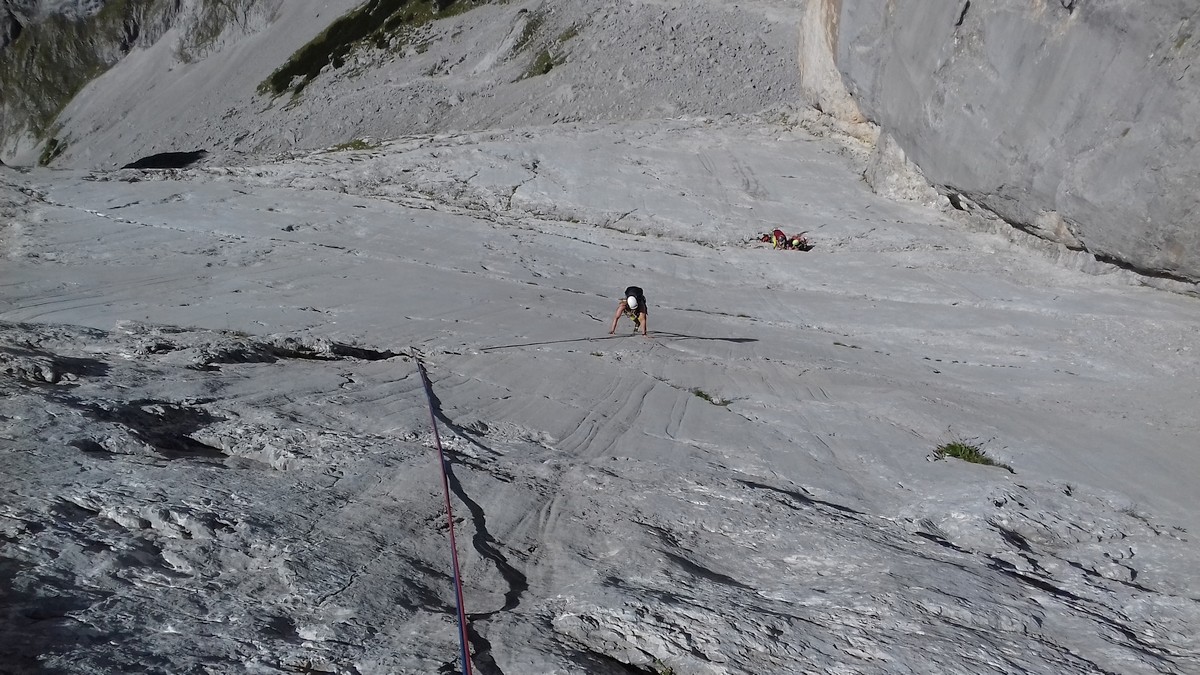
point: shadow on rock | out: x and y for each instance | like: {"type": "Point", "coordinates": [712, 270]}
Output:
{"type": "Point", "coordinates": [682, 336]}
{"type": "Point", "coordinates": [168, 160]}
{"type": "Point", "coordinates": [35, 620]}
{"type": "Point", "coordinates": [164, 426]}
{"type": "Point", "coordinates": [43, 367]}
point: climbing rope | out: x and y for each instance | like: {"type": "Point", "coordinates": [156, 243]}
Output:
{"type": "Point", "coordinates": [458, 590]}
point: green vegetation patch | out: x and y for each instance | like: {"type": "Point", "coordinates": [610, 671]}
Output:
{"type": "Point", "coordinates": [968, 452]}
{"type": "Point", "coordinates": [532, 25]}
{"type": "Point", "coordinates": [715, 400]}
{"type": "Point", "coordinates": [543, 63]}
{"type": "Point", "coordinates": [377, 23]}
{"type": "Point", "coordinates": [567, 34]}
{"type": "Point", "coordinates": [51, 150]}
{"type": "Point", "coordinates": [356, 144]}
{"type": "Point", "coordinates": [548, 57]}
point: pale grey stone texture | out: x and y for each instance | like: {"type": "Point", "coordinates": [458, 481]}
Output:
{"type": "Point", "coordinates": [1088, 111]}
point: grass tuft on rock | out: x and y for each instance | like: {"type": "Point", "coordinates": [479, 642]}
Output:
{"type": "Point", "coordinates": [543, 63]}
{"type": "Point", "coordinates": [967, 451]}
{"type": "Point", "coordinates": [355, 144]}
{"type": "Point", "coordinates": [51, 150]}
{"type": "Point", "coordinates": [715, 400]}
{"type": "Point", "coordinates": [549, 56]}
{"type": "Point", "coordinates": [533, 25]}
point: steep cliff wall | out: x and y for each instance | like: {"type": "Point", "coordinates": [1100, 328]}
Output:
{"type": "Point", "coordinates": [1074, 119]}
{"type": "Point", "coordinates": [51, 49]}
{"type": "Point", "coordinates": [54, 48]}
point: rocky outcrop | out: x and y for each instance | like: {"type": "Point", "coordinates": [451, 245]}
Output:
{"type": "Point", "coordinates": [51, 49]}
{"type": "Point", "coordinates": [1073, 120]}
{"type": "Point", "coordinates": [818, 69]}
{"type": "Point", "coordinates": [10, 27]}
{"type": "Point", "coordinates": [55, 48]}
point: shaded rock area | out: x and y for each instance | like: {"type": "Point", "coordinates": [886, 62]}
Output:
{"type": "Point", "coordinates": [168, 160]}
{"type": "Point", "coordinates": [1074, 121]}
{"type": "Point", "coordinates": [10, 28]}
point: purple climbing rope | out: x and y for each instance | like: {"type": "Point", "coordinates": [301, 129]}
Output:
{"type": "Point", "coordinates": [458, 590]}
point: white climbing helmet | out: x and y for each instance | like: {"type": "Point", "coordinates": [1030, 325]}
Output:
{"type": "Point", "coordinates": [632, 302]}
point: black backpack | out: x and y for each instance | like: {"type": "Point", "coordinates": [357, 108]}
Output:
{"type": "Point", "coordinates": [637, 293]}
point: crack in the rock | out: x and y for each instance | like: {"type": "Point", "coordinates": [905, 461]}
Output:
{"type": "Point", "coordinates": [487, 547]}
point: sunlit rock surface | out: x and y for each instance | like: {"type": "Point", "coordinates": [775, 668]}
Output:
{"type": "Point", "coordinates": [217, 454]}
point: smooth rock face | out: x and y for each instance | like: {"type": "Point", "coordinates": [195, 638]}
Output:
{"type": "Point", "coordinates": [216, 458]}
{"type": "Point", "coordinates": [1084, 110]}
